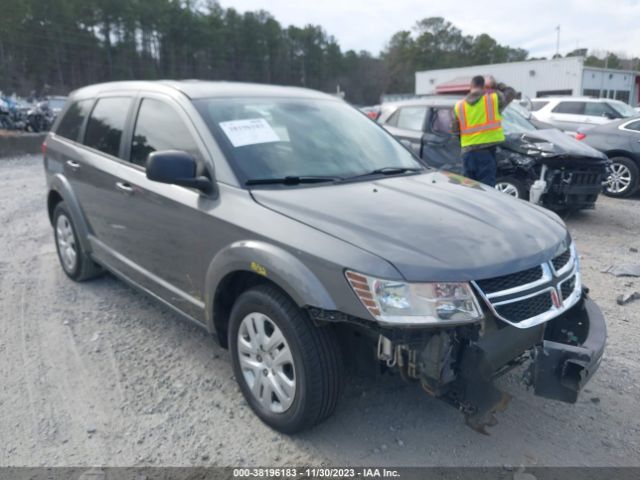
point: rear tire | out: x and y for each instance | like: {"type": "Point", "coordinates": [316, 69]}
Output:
{"type": "Point", "coordinates": [623, 181]}
{"type": "Point", "coordinates": [513, 187]}
{"type": "Point", "coordinates": [74, 260]}
{"type": "Point", "coordinates": [288, 369]}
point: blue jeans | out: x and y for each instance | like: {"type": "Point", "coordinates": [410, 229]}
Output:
{"type": "Point", "coordinates": [480, 165]}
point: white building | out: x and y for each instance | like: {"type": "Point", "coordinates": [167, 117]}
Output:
{"type": "Point", "coordinates": [539, 78]}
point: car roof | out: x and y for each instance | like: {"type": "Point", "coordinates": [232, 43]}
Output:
{"type": "Point", "coordinates": [575, 99]}
{"type": "Point", "coordinates": [202, 89]}
{"type": "Point", "coordinates": [429, 101]}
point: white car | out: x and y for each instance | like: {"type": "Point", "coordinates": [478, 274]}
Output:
{"type": "Point", "coordinates": [579, 113]}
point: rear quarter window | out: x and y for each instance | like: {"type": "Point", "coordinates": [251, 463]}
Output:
{"type": "Point", "coordinates": [73, 120]}
{"type": "Point", "coordinates": [105, 126]}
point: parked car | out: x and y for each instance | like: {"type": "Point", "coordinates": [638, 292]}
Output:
{"type": "Point", "coordinates": [373, 112]}
{"type": "Point", "coordinates": [55, 103]}
{"type": "Point", "coordinates": [301, 233]}
{"type": "Point", "coordinates": [568, 175]}
{"type": "Point", "coordinates": [573, 113]}
{"type": "Point", "coordinates": [620, 141]}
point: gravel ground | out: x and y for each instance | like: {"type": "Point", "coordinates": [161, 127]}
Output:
{"type": "Point", "coordinates": [98, 374]}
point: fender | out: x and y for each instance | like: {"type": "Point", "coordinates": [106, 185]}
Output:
{"type": "Point", "coordinates": [275, 264]}
{"type": "Point", "coordinates": [62, 187]}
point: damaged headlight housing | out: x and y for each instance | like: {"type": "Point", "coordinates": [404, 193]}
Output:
{"type": "Point", "coordinates": [395, 302]}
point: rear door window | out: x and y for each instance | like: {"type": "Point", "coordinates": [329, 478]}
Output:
{"type": "Point", "coordinates": [575, 108]}
{"type": "Point", "coordinates": [106, 123]}
{"type": "Point", "coordinates": [71, 124]}
{"type": "Point", "coordinates": [159, 127]}
{"type": "Point", "coordinates": [441, 123]}
{"type": "Point", "coordinates": [412, 118]}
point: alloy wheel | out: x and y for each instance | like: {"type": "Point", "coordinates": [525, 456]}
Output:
{"type": "Point", "coordinates": [507, 188]}
{"type": "Point", "coordinates": [619, 179]}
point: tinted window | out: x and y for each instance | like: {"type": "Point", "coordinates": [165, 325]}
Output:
{"type": "Point", "coordinates": [537, 105]}
{"type": "Point", "coordinates": [569, 107]}
{"type": "Point", "coordinates": [442, 119]}
{"type": "Point", "coordinates": [104, 129]}
{"type": "Point", "coordinates": [599, 109]}
{"type": "Point", "coordinates": [73, 119]}
{"type": "Point", "coordinates": [411, 118]}
{"type": "Point", "coordinates": [633, 126]}
{"type": "Point", "coordinates": [159, 127]}
{"type": "Point", "coordinates": [393, 119]}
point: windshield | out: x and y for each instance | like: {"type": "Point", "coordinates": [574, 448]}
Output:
{"type": "Point", "coordinates": [515, 122]}
{"type": "Point", "coordinates": [281, 137]}
{"type": "Point", "coordinates": [623, 109]}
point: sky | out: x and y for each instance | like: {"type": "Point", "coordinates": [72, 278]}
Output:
{"type": "Point", "coordinates": [605, 25]}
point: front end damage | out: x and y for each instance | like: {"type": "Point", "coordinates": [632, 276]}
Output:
{"type": "Point", "coordinates": [559, 173]}
{"type": "Point", "coordinates": [461, 364]}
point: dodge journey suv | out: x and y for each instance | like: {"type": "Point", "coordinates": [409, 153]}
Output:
{"type": "Point", "coordinates": [308, 239]}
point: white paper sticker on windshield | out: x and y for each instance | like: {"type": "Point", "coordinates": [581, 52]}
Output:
{"type": "Point", "coordinates": [249, 132]}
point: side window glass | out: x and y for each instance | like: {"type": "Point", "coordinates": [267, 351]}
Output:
{"type": "Point", "coordinates": [159, 127]}
{"type": "Point", "coordinates": [633, 126]}
{"type": "Point", "coordinates": [412, 118]}
{"type": "Point", "coordinates": [71, 124]}
{"type": "Point", "coordinates": [575, 108]}
{"type": "Point", "coordinates": [442, 119]}
{"type": "Point", "coordinates": [393, 119]}
{"type": "Point", "coordinates": [597, 109]}
{"type": "Point", "coordinates": [105, 126]}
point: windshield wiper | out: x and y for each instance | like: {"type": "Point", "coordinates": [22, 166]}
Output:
{"type": "Point", "coordinates": [290, 180]}
{"type": "Point", "coordinates": [387, 171]}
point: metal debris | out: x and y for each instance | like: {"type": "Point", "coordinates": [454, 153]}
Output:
{"type": "Point", "coordinates": [625, 270]}
{"type": "Point", "coordinates": [627, 297]}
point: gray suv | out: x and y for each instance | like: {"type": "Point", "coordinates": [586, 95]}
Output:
{"type": "Point", "coordinates": [307, 239]}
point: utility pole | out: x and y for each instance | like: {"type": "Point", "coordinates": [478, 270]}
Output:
{"type": "Point", "coordinates": [558, 40]}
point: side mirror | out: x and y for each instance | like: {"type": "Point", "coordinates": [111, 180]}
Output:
{"type": "Point", "coordinates": [177, 168]}
{"type": "Point", "coordinates": [611, 116]}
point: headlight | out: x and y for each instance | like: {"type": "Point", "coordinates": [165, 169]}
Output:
{"type": "Point", "coordinates": [395, 303]}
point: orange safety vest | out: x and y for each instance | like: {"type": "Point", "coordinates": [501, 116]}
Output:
{"type": "Point", "coordinates": [481, 122]}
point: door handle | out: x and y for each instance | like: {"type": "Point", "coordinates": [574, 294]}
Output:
{"type": "Point", "coordinates": [73, 165]}
{"type": "Point", "coordinates": [124, 187]}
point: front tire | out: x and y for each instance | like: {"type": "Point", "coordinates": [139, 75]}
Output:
{"type": "Point", "coordinates": [288, 369]}
{"type": "Point", "coordinates": [623, 180]}
{"type": "Point", "coordinates": [513, 187]}
{"type": "Point", "coordinates": [75, 262]}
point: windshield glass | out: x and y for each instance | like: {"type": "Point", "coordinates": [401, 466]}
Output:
{"type": "Point", "coordinates": [280, 137]}
{"type": "Point", "coordinates": [623, 109]}
{"type": "Point", "coordinates": [515, 122]}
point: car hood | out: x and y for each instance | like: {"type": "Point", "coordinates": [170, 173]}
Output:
{"type": "Point", "coordinates": [436, 226]}
{"type": "Point", "coordinates": [553, 142]}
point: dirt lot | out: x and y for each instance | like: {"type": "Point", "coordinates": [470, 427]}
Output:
{"type": "Point", "coordinates": [97, 374]}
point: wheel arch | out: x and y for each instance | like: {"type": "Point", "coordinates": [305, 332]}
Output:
{"type": "Point", "coordinates": [60, 191]}
{"type": "Point", "coordinates": [245, 264]}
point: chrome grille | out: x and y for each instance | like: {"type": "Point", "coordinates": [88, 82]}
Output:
{"type": "Point", "coordinates": [527, 308]}
{"type": "Point", "coordinates": [535, 295]}
{"type": "Point", "coordinates": [562, 259]}
{"type": "Point", "coordinates": [567, 287]}
{"type": "Point", "coordinates": [505, 282]}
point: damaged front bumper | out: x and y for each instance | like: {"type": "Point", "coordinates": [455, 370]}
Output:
{"type": "Point", "coordinates": [460, 365]}
{"type": "Point", "coordinates": [570, 353]}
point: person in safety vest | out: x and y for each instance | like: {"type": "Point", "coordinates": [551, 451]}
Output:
{"type": "Point", "coordinates": [478, 121]}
